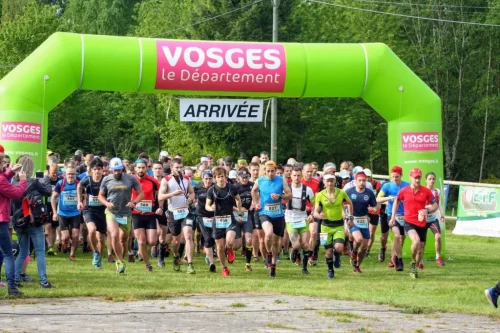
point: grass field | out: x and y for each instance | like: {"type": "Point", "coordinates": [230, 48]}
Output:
{"type": "Point", "coordinates": [457, 287]}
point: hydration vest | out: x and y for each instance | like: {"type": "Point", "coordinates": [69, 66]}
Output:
{"type": "Point", "coordinates": [303, 197]}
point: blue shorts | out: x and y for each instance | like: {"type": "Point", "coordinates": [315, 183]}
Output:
{"type": "Point", "coordinates": [364, 231]}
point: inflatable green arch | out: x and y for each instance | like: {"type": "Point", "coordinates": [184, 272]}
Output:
{"type": "Point", "coordinates": [66, 62]}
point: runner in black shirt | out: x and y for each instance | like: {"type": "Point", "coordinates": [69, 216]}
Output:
{"type": "Point", "coordinates": [205, 218]}
{"type": "Point", "coordinates": [244, 189]}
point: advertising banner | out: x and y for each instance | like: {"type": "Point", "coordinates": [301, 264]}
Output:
{"type": "Point", "coordinates": [478, 213]}
{"type": "Point", "coordinates": [221, 110]}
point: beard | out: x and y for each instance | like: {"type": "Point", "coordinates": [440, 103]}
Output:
{"type": "Point", "coordinates": [141, 174]}
{"type": "Point", "coordinates": [118, 176]}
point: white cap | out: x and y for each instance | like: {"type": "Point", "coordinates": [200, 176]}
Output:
{"type": "Point", "coordinates": [368, 172]}
{"type": "Point", "coordinates": [344, 174]}
{"type": "Point", "coordinates": [357, 169]}
{"type": "Point", "coordinates": [204, 159]}
{"type": "Point", "coordinates": [329, 166]}
{"type": "Point", "coordinates": [115, 164]}
{"type": "Point", "coordinates": [164, 153]}
{"type": "Point", "coordinates": [233, 174]}
{"type": "Point", "coordinates": [329, 176]}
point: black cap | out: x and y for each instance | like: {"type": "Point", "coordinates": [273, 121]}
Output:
{"type": "Point", "coordinates": [228, 159]}
{"type": "Point", "coordinates": [243, 174]}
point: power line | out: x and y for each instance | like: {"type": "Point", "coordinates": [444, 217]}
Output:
{"type": "Point", "coordinates": [403, 15]}
{"type": "Point", "coordinates": [208, 19]}
{"type": "Point", "coordinates": [426, 4]}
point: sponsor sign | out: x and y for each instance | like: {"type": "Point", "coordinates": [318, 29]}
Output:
{"type": "Point", "coordinates": [221, 110]}
{"type": "Point", "coordinates": [217, 66]}
{"type": "Point", "coordinates": [418, 141]}
{"type": "Point", "coordinates": [478, 212]}
{"type": "Point", "coordinates": [21, 131]}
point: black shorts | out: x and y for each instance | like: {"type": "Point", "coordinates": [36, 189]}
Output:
{"type": "Point", "coordinates": [400, 227]}
{"type": "Point", "coordinates": [256, 221]}
{"type": "Point", "coordinates": [98, 218]}
{"type": "Point", "coordinates": [421, 231]}
{"type": "Point", "coordinates": [384, 223]}
{"type": "Point", "coordinates": [144, 221]}
{"type": "Point", "coordinates": [220, 233]}
{"type": "Point", "coordinates": [206, 232]}
{"type": "Point", "coordinates": [277, 222]}
{"type": "Point", "coordinates": [176, 226]}
{"type": "Point", "coordinates": [435, 227]}
{"type": "Point", "coordinates": [69, 223]}
{"type": "Point", "coordinates": [162, 219]}
{"type": "Point", "coordinates": [373, 219]}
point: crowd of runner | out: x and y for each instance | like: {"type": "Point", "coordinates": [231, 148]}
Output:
{"type": "Point", "coordinates": [158, 208]}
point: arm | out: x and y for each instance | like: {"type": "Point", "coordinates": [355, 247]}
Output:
{"type": "Point", "coordinates": [163, 195]}
{"type": "Point", "coordinates": [80, 196]}
{"type": "Point", "coordinates": [255, 195]}
{"type": "Point", "coordinates": [394, 210]}
{"type": "Point", "coordinates": [190, 193]}
{"type": "Point", "coordinates": [238, 204]}
{"type": "Point", "coordinates": [43, 187]}
{"type": "Point", "coordinates": [12, 191]}
{"type": "Point", "coordinates": [209, 204]}
{"type": "Point", "coordinates": [140, 196]}
{"type": "Point", "coordinates": [317, 212]}
{"type": "Point", "coordinates": [381, 198]}
{"type": "Point", "coordinates": [102, 199]}
{"type": "Point", "coordinates": [286, 189]}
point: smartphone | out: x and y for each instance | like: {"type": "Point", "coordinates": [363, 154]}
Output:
{"type": "Point", "coordinates": [39, 174]}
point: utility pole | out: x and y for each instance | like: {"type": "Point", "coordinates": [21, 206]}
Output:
{"type": "Point", "coordinates": [274, 100]}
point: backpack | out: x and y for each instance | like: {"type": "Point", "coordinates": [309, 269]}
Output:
{"type": "Point", "coordinates": [303, 198]}
{"type": "Point", "coordinates": [33, 212]}
{"type": "Point", "coordinates": [64, 182]}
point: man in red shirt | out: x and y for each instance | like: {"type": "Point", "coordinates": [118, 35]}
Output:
{"type": "Point", "coordinates": [418, 202]}
{"type": "Point", "coordinates": [313, 183]}
{"type": "Point", "coordinates": [145, 211]}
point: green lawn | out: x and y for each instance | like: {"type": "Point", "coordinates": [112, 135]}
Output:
{"type": "Point", "coordinates": [457, 287]}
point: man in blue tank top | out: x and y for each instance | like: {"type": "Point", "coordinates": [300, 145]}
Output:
{"type": "Point", "coordinates": [268, 193]}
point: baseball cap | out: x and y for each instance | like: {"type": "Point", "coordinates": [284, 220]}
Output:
{"type": "Point", "coordinates": [115, 164]}
{"type": "Point", "coordinates": [242, 160]}
{"type": "Point", "coordinates": [397, 169]}
{"type": "Point", "coordinates": [207, 174]}
{"type": "Point", "coordinates": [367, 172]}
{"type": "Point", "coordinates": [243, 174]}
{"type": "Point", "coordinates": [329, 166]}
{"type": "Point", "coordinates": [270, 163]}
{"type": "Point", "coordinates": [233, 174]}
{"type": "Point", "coordinates": [2, 149]}
{"type": "Point", "coordinates": [204, 159]}
{"type": "Point", "coordinates": [228, 160]}
{"type": "Point", "coordinates": [416, 172]}
{"type": "Point", "coordinates": [344, 174]}
{"type": "Point", "coordinates": [329, 176]}
{"type": "Point", "coordinates": [79, 152]}
{"type": "Point", "coordinates": [361, 174]}
{"type": "Point", "coordinates": [357, 169]}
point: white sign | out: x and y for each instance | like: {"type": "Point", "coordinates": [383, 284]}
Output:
{"type": "Point", "coordinates": [222, 110]}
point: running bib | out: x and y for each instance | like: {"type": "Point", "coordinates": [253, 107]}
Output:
{"type": "Point", "coordinates": [244, 218]}
{"type": "Point", "coordinates": [223, 222]}
{"type": "Point", "coordinates": [298, 225]}
{"type": "Point", "coordinates": [189, 222]}
{"type": "Point", "coordinates": [361, 222]}
{"type": "Point", "coordinates": [69, 199]}
{"type": "Point", "coordinates": [120, 219]}
{"type": "Point", "coordinates": [94, 201]}
{"type": "Point", "coordinates": [323, 238]}
{"type": "Point", "coordinates": [145, 206]}
{"type": "Point", "coordinates": [273, 210]}
{"type": "Point", "coordinates": [180, 213]}
{"type": "Point", "coordinates": [400, 219]}
{"type": "Point", "coordinates": [431, 217]}
{"type": "Point", "coordinates": [208, 222]}
{"type": "Point", "coordinates": [49, 199]}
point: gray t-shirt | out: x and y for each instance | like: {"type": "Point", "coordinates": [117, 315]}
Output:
{"type": "Point", "coordinates": [119, 192]}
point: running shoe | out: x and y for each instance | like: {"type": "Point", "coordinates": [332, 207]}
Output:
{"type": "Point", "coordinates": [305, 272]}
{"type": "Point", "coordinates": [121, 268]}
{"type": "Point", "coordinates": [440, 262]}
{"type": "Point", "coordinates": [255, 259]}
{"type": "Point", "coordinates": [59, 247]}
{"type": "Point", "coordinates": [95, 258]}
{"type": "Point", "coordinates": [161, 263]}
{"type": "Point", "coordinates": [15, 292]}
{"type": "Point", "coordinates": [230, 255]}
{"type": "Point", "coordinates": [51, 251]}
{"type": "Point", "coordinates": [272, 271]}
{"type": "Point", "coordinates": [400, 265]}
{"type": "Point", "coordinates": [354, 261]}
{"type": "Point", "coordinates": [190, 269]}
{"type": "Point", "coordinates": [413, 271]}
{"type": "Point", "coordinates": [312, 261]}
{"type": "Point", "coordinates": [391, 263]}
{"type": "Point", "coordinates": [492, 296]}
{"type": "Point", "coordinates": [111, 259]}
{"type": "Point", "coordinates": [356, 269]}
{"type": "Point", "coordinates": [26, 278]}
{"type": "Point", "coordinates": [176, 264]}
{"type": "Point", "coordinates": [212, 268]}
{"type": "Point", "coordinates": [420, 266]}
{"type": "Point", "coordinates": [331, 274]}
{"type": "Point", "coordinates": [131, 258]}
{"type": "Point", "coordinates": [381, 255]}
{"type": "Point", "coordinates": [149, 268]}
{"type": "Point", "coordinates": [248, 268]}
{"type": "Point", "coordinates": [225, 272]}
{"type": "Point", "coordinates": [46, 285]}
{"type": "Point", "coordinates": [18, 284]}
{"type": "Point", "coordinates": [336, 262]}
{"type": "Point", "coordinates": [72, 258]}
{"type": "Point", "coordinates": [154, 251]}
{"type": "Point", "coordinates": [297, 262]}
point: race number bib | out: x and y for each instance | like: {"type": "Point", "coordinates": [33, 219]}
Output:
{"type": "Point", "coordinates": [323, 238]}
{"type": "Point", "coordinates": [272, 210]}
{"type": "Point", "coordinates": [400, 219]}
{"type": "Point", "coordinates": [49, 199]}
{"type": "Point", "coordinates": [120, 219]}
{"type": "Point", "coordinates": [94, 201]}
{"type": "Point", "coordinates": [431, 217]}
{"type": "Point", "coordinates": [222, 222]}
{"type": "Point", "coordinates": [208, 222]}
{"type": "Point", "coordinates": [244, 218]}
{"type": "Point", "coordinates": [361, 222]}
{"type": "Point", "coordinates": [298, 225]}
{"type": "Point", "coordinates": [145, 206]}
{"type": "Point", "coordinates": [180, 213]}
{"type": "Point", "coordinates": [69, 199]}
